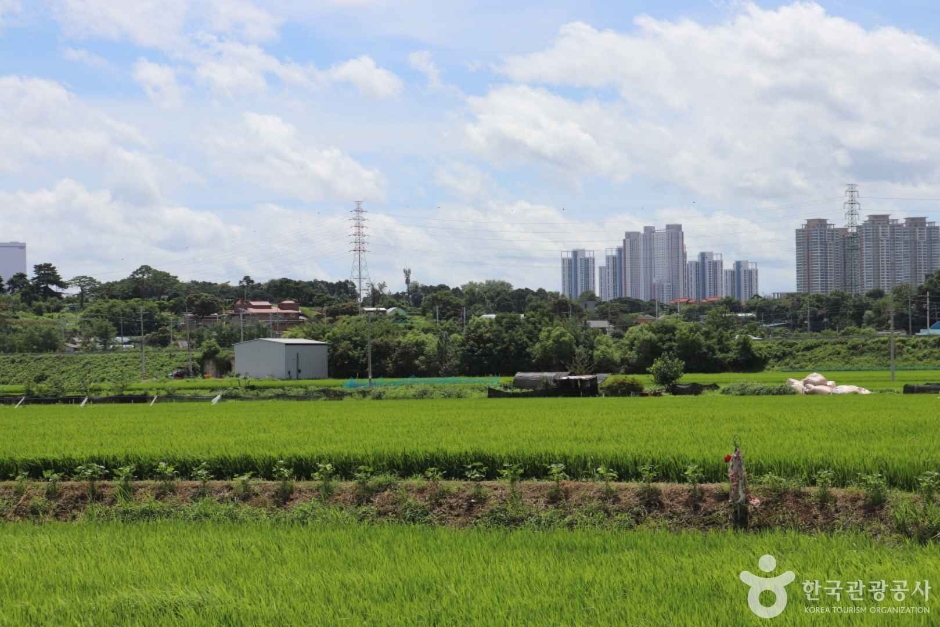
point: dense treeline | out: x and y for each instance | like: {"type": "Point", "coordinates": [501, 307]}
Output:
{"type": "Point", "coordinates": [443, 332]}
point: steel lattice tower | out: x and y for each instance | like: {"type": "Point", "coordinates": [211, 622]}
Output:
{"type": "Point", "coordinates": [360, 267]}
{"type": "Point", "coordinates": [853, 269]}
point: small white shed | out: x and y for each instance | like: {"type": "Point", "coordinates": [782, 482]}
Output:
{"type": "Point", "coordinates": [282, 358]}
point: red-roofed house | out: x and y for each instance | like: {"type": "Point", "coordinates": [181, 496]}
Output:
{"type": "Point", "coordinates": [279, 317]}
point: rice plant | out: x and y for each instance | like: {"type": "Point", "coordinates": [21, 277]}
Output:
{"type": "Point", "coordinates": [124, 476]}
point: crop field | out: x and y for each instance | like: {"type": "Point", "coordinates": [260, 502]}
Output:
{"type": "Point", "coordinates": [871, 379]}
{"type": "Point", "coordinates": [792, 436]}
{"type": "Point", "coordinates": [184, 574]}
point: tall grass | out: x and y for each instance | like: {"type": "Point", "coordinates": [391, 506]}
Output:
{"type": "Point", "coordinates": [343, 573]}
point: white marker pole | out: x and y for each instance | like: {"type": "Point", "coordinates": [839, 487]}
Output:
{"type": "Point", "coordinates": [83, 402]}
{"type": "Point", "coordinates": [217, 399]}
{"type": "Point", "coordinates": [153, 401]}
{"type": "Point", "coordinates": [20, 403]}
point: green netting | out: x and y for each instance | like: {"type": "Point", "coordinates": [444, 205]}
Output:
{"type": "Point", "coordinates": [364, 383]}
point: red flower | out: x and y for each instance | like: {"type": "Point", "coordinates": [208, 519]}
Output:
{"type": "Point", "coordinates": [727, 458]}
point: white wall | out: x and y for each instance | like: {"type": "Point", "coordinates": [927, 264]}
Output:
{"type": "Point", "coordinates": [260, 359]}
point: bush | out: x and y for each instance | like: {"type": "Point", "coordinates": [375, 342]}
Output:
{"type": "Point", "coordinates": [751, 388]}
{"type": "Point", "coordinates": [622, 386]}
{"type": "Point", "coordinates": [667, 370]}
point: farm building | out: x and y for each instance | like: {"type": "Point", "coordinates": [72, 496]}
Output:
{"type": "Point", "coordinates": [281, 358]}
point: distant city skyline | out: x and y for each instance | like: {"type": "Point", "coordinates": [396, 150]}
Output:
{"type": "Point", "coordinates": [653, 264]}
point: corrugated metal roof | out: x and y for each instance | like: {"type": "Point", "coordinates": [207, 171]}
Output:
{"type": "Point", "coordinates": [285, 340]}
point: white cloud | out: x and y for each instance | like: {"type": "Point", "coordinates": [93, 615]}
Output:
{"type": "Point", "coordinates": [9, 7]}
{"type": "Point", "coordinates": [86, 57]}
{"type": "Point", "coordinates": [159, 81]}
{"type": "Point", "coordinates": [367, 77]}
{"type": "Point", "coordinates": [149, 23]}
{"type": "Point", "coordinates": [772, 103]}
{"type": "Point", "coordinates": [465, 181]}
{"type": "Point", "coordinates": [517, 124]}
{"type": "Point", "coordinates": [271, 153]}
{"type": "Point", "coordinates": [423, 61]}
{"type": "Point", "coordinates": [44, 122]}
{"type": "Point", "coordinates": [244, 19]}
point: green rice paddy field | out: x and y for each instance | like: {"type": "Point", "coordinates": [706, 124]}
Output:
{"type": "Point", "coordinates": [209, 572]}
{"type": "Point", "coordinates": [257, 574]}
{"type": "Point", "coordinates": [791, 436]}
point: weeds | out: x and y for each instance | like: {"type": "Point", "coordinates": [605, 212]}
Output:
{"type": "Point", "coordinates": [435, 477]}
{"type": "Point", "coordinates": [824, 481]}
{"type": "Point", "coordinates": [22, 483]}
{"type": "Point", "coordinates": [124, 476]}
{"type": "Point", "coordinates": [167, 475]}
{"type": "Point", "coordinates": [203, 476]}
{"type": "Point", "coordinates": [927, 486]}
{"type": "Point", "coordinates": [511, 474]}
{"type": "Point", "coordinates": [325, 474]}
{"type": "Point", "coordinates": [606, 475]}
{"type": "Point", "coordinates": [649, 494]}
{"type": "Point", "coordinates": [91, 474]}
{"type": "Point", "coordinates": [243, 485]}
{"type": "Point", "coordinates": [285, 478]}
{"type": "Point", "coordinates": [476, 473]}
{"type": "Point", "coordinates": [52, 480]}
{"type": "Point", "coordinates": [557, 474]}
{"type": "Point", "coordinates": [776, 486]}
{"type": "Point", "coordinates": [875, 488]}
{"type": "Point", "coordinates": [694, 477]}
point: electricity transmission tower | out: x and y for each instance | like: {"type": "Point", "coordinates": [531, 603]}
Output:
{"type": "Point", "coordinates": [360, 267]}
{"type": "Point", "coordinates": [853, 269]}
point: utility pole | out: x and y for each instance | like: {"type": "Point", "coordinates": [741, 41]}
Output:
{"type": "Point", "coordinates": [892, 340]}
{"type": "Point", "coordinates": [369, 342]}
{"type": "Point", "coordinates": [143, 359]}
{"type": "Point", "coordinates": [910, 320]}
{"type": "Point", "coordinates": [189, 345]}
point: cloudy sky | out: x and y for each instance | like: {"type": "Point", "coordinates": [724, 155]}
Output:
{"type": "Point", "coordinates": [215, 138]}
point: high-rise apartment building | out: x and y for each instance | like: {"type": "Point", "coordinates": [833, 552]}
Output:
{"type": "Point", "coordinates": [820, 257]}
{"type": "Point", "coordinates": [728, 283]}
{"type": "Point", "coordinates": [708, 283]}
{"type": "Point", "coordinates": [692, 279]}
{"type": "Point", "coordinates": [890, 253]}
{"type": "Point", "coordinates": [745, 280]}
{"type": "Point", "coordinates": [655, 264]}
{"type": "Point", "coordinates": [610, 281]}
{"type": "Point", "coordinates": [12, 259]}
{"type": "Point", "coordinates": [577, 272]}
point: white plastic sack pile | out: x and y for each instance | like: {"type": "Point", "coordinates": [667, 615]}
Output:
{"type": "Point", "coordinates": [819, 385]}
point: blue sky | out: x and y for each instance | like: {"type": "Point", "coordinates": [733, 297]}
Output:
{"type": "Point", "coordinates": [215, 138]}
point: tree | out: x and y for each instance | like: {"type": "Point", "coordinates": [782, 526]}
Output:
{"type": "Point", "coordinates": [606, 358]}
{"type": "Point", "coordinates": [2, 286]}
{"type": "Point", "coordinates": [247, 283]}
{"type": "Point", "coordinates": [45, 277]}
{"type": "Point", "coordinates": [667, 370]}
{"type": "Point", "coordinates": [19, 284]}
{"type": "Point", "coordinates": [147, 282]}
{"type": "Point", "coordinates": [98, 332]}
{"type": "Point", "coordinates": [554, 349]}
{"type": "Point", "coordinates": [86, 287]}
{"type": "Point", "coordinates": [203, 305]}
{"type": "Point", "coordinates": [39, 338]}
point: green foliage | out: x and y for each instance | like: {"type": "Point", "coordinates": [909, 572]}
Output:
{"type": "Point", "coordinates": [785, 436]}
{"type": "Point", "coordinates": [875, 487]}
{"type": "Point", "coordinates": [622, 386]}
{"type": "Point", "coordinates": [52, 480]}
{"type": "Point", "coordinates": [285, 478]}
{"type": "Point", "coordinates": [167, 475]}
{"type": "Point", "coordinates": [147, 571]}
{"type": "Point", "coordinates": [751, 388]}
{"type": "Point", "coordinates": [606, 475]}
{"type": "Point", "coordinates": [325, 474]}
{"type": "Point", "coordinates": [91, 474]}
{"type": "Point", "coordinates": [667, 370]}
{"type": "Point", "coordinates": [124, 476]}
{"type": "Point", "coordinates": [203, 475]}
{"type": "Point", "coordinates": [824, 481]}
{"type": "Point", "coordinates": [694, 476]}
